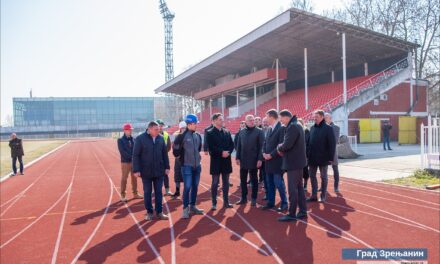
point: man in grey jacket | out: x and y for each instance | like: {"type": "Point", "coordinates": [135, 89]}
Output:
{"type": "Point", "coordinates": [336, 130]}
{"type": "Point", "coordinates": [250, 157]}
{"type": "Point", "coordinates": [293, 151]}
{"type": "Point", "coordinates": [187, 147]}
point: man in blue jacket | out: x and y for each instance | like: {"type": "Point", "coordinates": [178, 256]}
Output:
{"type": "Point", "coordinates": [151, 163]}
{"type": "Point", "coordinates": [125, 146]}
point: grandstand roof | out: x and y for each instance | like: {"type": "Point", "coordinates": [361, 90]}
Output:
{"type": "Point", "coordinates": [285, 37]}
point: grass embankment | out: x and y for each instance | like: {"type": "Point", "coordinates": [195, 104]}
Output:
{"type": "Point", "coordinates": [420, 179]}
{"type": "Point", "coordinates": [32, 150]}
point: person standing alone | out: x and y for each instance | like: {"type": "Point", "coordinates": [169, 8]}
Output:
{"type": "Point", "coordinates": [17, 153]}
{"type": "Point", "coordinates": [386, 134]}
{"type": "Point", "coordinates": [220, 148]}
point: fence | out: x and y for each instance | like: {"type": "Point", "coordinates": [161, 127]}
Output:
{"type": "Point", "coordinates": [430, 144]}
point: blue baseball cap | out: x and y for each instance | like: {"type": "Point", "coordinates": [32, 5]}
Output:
{"type": "Point", "coordinates": [191, 119]}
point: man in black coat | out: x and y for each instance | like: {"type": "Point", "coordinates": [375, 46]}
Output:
{"type": "Point", "coordinates": [273, 161]}
{"type": "Point", "coordinates": [205, 140]}
{"type": "Point", "coordinates": [151, 163]}
{"type": "Point", "coordinates": [321, 147]}
{"type": "Point", "coordinates": [17, 153]}
{"type": "Point", "coordinates": [250, 157]}
{"type": "Point", "coordinates": [293, 151]}
{"type": "Point", "coordinates": [220, 148]}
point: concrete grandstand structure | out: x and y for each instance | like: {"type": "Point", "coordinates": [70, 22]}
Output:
{"type": "Point", "coordinates": [302, 61]}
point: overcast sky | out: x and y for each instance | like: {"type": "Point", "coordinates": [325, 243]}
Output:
{"type": "Point", "coordinates": [114, 47]}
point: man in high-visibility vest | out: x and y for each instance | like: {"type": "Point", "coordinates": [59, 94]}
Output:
{"type": "Point", "coordinates": [167, 139]}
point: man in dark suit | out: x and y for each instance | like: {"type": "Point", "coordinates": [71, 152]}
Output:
{"type": "Point", "coordinates": [321, 147]}
{"type": "Point", "coordinates": [17, 153]}
{"type": "Point", "coordinates": [151, 163]}
{"type": "Point", "coordinates": [336, 131]}
{"type": "Point", "coordinates": [220, 148]}
{"type": "Point", "coordinates": [273, 161]}
{"type": "Point", "coordinates": [293, 151]}
{"type": "Point", "coordinates": [250, 157]}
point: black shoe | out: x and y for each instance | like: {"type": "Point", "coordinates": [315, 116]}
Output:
{"type": "Point", "coordinates": [312, 199]}
{"type": "Point", "coordinates": [21, 173]}
{"type": "Point", "coordinates": [228, 205]}
{"type": "Point", "coordinates": [230, 184]}
{"type": "Point", "coordinates": [287, 218]}
{"type": "Point", "coordinates": [322, 200]}
{"type": "Point", "coordinates": [301, 216]}
{"type": "Point", "coordinates": [254, 202]}
{"type": "Point", "coordinates": [242, 201]}
{"type": "Point", "coordinates": [390, 149]}
{"type": "Point", "coordinates": [13, 174]}
{"type": "Point", "coordinates": [282, 208]}
{"type": "Point", "coordinates": [267, 207]}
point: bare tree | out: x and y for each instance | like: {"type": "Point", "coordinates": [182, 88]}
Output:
{"type": "Point", "coordinates": [305, 5]}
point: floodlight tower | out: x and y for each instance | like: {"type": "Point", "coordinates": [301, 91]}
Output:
{"type": "Point", "coordinates": [168, 17]}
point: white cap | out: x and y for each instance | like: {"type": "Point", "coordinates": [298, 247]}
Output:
{"type": "Point", "coordinates": [182, 124]}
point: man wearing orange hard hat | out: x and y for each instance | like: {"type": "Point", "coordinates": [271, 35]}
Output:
{"type": "Point", "coordinates": [125, 146]}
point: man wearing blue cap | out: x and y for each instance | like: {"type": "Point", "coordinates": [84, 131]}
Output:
{"type": "Point", "coordinates": [187, 147]}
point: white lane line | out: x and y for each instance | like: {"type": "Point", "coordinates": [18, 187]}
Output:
{"type": "Point", "coordinates": [312, 225]}
{"type": "Point", "coordinates": [396, 194]}
{"type": "Point", "coordinates": [63, 218]}
{"type": "Point", "coordinates": [395, 215]}
{"type": "Point", "coordinates": [21, 194]}
{"type": "Point", "coordinates": [236, 234]}
{"type": "Point", "coordinates": [173, 240]}
{"type": "Point", "coordinates": [92, 235]}
{"type": "Point", "coordinates": [35, 221]}
{"type": "Point", "coordinates": [7, 176]}
{"type": "Point", "coordinates": [374, 215]}
{"type": "Point", "coordinates": [392, 186]}
{"type": "Point", "coordinates": [170, 220]}
{"type": "Point", "coordinates": [147, 239]}
{"type": "Point", "coordinates": [388, 199]}
{"type": "Point", "coordinates": [256, 233]}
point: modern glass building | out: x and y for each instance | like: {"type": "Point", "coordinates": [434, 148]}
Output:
{"type": "Point", "coordinates": [83, 113]}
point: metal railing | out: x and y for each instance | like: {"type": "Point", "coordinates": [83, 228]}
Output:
{"type": "Point", "coordinates": [363, 86]}
{"type": "Point", "coordinates": [430, 144]}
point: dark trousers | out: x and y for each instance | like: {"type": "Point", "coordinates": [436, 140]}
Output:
{"type": "Point", "coordinates": [306, 175]}
{"type": "Point", "coordinates": [254, 182]}
{"type": "Point", "coordinates": [149, 184]}
{"type": "Point", "coordinates": [336, 175]}
{"type": "Point", "coordinates": [261, 173]}
{"type": "Point", "coordinates": [324, 180]}
{"type": "Point", "coordinates": [166, 181]}
{"type": "Point", "coordinates": [386, 141]}
{"type": "Point", "coordinates": [225, 187]}
{"type": "Point", "coordinates": [14, 164]}
{"type": "Point", "coordinates": [297, 197]}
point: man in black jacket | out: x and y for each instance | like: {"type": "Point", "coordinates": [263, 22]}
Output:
{"type": "Point", "coordinates": [273, 161]}
{"type": "Point", "coordinates": [151, 163]}
{"type": "Point", "coordinates": [220, 148]}
{"type": "Point", "coordinates": [205, 140]}
{"type": "Point", "coordinates": [17, 152]}
{"type": "Point", "coordinates": [125, 147]}
{"type": "Point", "coordinates": [250, 157]}
{"type": "Point", "coordinates": [320, 153]}
{"type": "Point", "coordinates": [293, 150]}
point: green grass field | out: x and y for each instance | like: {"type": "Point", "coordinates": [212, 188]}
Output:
{"type": "Point", "coordinates": [420, 179]}
{"type": "Point", "coordinates": [32, 150]}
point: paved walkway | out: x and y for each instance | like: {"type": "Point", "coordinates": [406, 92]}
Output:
{"type": "Point", "coordinates": [375, 164]}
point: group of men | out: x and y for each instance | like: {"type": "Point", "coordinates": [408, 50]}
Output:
{"type": "Point", "coordinates": [276, 145]}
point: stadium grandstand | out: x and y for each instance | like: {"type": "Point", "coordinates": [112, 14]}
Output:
{"type": "Point", "coordinates": [302, 61]}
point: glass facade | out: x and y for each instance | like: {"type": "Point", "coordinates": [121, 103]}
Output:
{"type": "Point", "coordinates": [86, 112]}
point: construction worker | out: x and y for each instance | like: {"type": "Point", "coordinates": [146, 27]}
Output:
{"type": "Point", "coordinates": [167, 139]}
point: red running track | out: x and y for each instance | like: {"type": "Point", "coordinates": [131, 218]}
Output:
{"type": "Point", "coordinates": [66, 209]}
